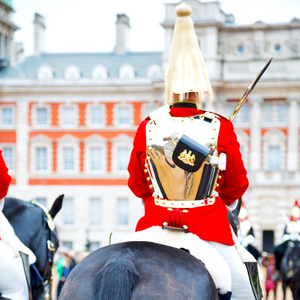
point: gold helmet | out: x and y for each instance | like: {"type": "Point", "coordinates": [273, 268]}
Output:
{"type": "Point", "coordinates": [186, 71]}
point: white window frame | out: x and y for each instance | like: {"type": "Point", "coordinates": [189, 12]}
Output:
{"type": "Point", "coordinates": [62, 119]}
{"type": "Point", "coordinates": [154, 72]}
{"type": "Point", "coordinates": [274, 138]}
{"type": "Point", "coordinates": [239, 119]}
{"type": "Point", "coordinates": [35, 109]}
{"type": "Point", "coordinates": [67, 141]}
{"type": "Point", "coordinates": [11, 168]}
{"type": "Point", "coordinates": [127, 72]}
{"type": "Point", "coordinates": [276, 116]}
{"type": "Point", "coordinates": [45, 73]}
{"type": "Point", "coordinates": [72, 73]}
{"type": "Point", "coordinates": [116, 114]}
{"type": "Point", "coordinates": [41, 141]}
{"type": "Point", "coordinates": [7, 126]}
{"type": "Point", "coordinates": [89, 110]}
{"type": "Point", "coordinates": [120, 141]}
{"type": "Point", "coordinates": [99, 72]}
{"type": "Point", "coordinates": [92, 142]}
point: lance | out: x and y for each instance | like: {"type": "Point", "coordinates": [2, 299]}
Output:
{"type": "Point", "coordinates": [249, 90]}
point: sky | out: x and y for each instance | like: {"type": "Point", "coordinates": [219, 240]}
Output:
{"type": "Point", "coordinates": [89, 25]}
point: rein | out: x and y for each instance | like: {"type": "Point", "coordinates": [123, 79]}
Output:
{"type": "Point", "coordinates": [47, 276]}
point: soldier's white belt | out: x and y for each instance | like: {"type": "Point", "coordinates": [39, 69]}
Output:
{"type": "Point", "coordinates": [185, 203]}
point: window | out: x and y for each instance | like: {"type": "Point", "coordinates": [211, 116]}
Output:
{"type": "Point", "coordinates": [7, 116]}
{"type": "Point", "coordinates": [127, 72]}
{"type": "Point", "coordinates": [97, 116]}
{"type": "Point", "coordinates": [274, 150]}
{"type": "Point", "coordinates": [122, 158]}
{"type": "Point", "coordinates": [41, 116]}
{"type": "Point", "coordinates": [154, 72]}
{"type": "Point", "coordinates": [277, 47]}
{"type": "Point", "coordinates": [99, 72]}
{"type": "Point", "coordinates": [69, 116]}
{"type": "Point", "coordinates": [122, 211]}
{"type": "Point", "coordinates": [275, 112]}
{"type": "Point", "coordinates": [72, 72]}
{"type": "Point", "coordinates": [268, 111]}
{"type": "Point", "coordinates": [282, 113]}
{"type": "Point", "coordinates": [95, 211]}
{"type": "Point", "coordinates": [68, 154]}
{"type": "Point", "coordinates": [45, 72]}
{"type": "Point", "coordinates": [123, 115]}
{"type": "Point", "coordinates": [243, 116]}
{"type": "Point", "coordinates": [68, 159]}
{"type": "Point", "coordinates": [68, 211]}
{"type": "Point", "coordinates": [96, 159]}
{"type": "Point", "coordinates": [274, 158]}
{"type": "Point", "coordinates": [8, 156]}
{"type": "Point", "coordinates": [41, 159]}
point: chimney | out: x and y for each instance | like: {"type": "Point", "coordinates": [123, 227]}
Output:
{"type": "Point", "coordinates": [39, 34]}
{"type": "Point", "coordinates": [122, 34]}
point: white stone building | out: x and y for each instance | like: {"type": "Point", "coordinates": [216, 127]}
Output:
{"type": "Point", "coordinates": [60, 113]}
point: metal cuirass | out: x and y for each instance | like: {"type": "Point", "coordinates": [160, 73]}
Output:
{"type": "Point", "coordinates": [182, 158]}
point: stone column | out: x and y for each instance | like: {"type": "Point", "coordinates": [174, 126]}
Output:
{"type": "Point", "coordinates": [293, 128]}
{"type": "Point", "coordinates": [255, 133]}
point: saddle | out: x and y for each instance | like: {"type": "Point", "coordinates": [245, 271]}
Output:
{"type": "Point", "coordinates": [202, 250]}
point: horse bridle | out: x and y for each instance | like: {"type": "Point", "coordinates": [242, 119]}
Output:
{"type": "Point", "coordinates": [47, 276]}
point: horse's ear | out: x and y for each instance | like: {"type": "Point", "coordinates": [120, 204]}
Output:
{"type": "Point", "coordinates": [56, 206]}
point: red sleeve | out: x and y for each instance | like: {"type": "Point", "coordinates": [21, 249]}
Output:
{"type": "Point", "coordinates": [5, 177]}
{"type": "Point", "coordinates": [137, 181]}
{"type": "Point", "coordinates": [234, 181]}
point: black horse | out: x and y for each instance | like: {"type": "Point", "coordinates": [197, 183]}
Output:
{"type": "Point", "coordinates": [34, 226]}
{"type": "Point", "coordinates": [290, 269]}
{"type": "Point", "coordinates": [139, 270]}
{"type": "Point", "coordinates": [235, 224]}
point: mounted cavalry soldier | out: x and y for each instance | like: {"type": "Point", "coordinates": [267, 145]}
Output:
{"type": "Point", "coordinates": [291, 233]}
{"type": "Point", "coordinates": [187, 167]}
{"type": "Point", "coordinates": [13, 282]}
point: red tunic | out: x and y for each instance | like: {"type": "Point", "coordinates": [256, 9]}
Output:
{"type": "Point", "coordinates": [208, 222]}
{"type": "Point", "coordinates": [5, 177]}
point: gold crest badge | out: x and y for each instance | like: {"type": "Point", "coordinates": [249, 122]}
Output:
{"type": "Point", "coordinates": [187, 157]}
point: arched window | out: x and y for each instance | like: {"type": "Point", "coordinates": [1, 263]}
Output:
{"type": "Point", "coordinates": [72, 72]}
{"type": "Point", "coordinates": [99, 72]}
{"type": "Point", "coordinates": [127, 72]}
{"type": "Point", "coordinates": [45, 72]}
{"type": "Point", "coordinates": [154, 72]}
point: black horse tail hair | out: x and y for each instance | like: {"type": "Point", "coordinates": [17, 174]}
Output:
{"type": "Point", "coordinates": [117, 277]}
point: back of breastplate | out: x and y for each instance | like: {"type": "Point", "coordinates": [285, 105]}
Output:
{"type": "Point", "coordinates": [170, 181]}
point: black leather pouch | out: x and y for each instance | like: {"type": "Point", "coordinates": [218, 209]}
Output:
{"type": "Point", "coordinates": [189, 155]}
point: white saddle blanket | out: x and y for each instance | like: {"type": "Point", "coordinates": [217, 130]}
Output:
{"type": "Point", "coordinates": [214, 262]}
